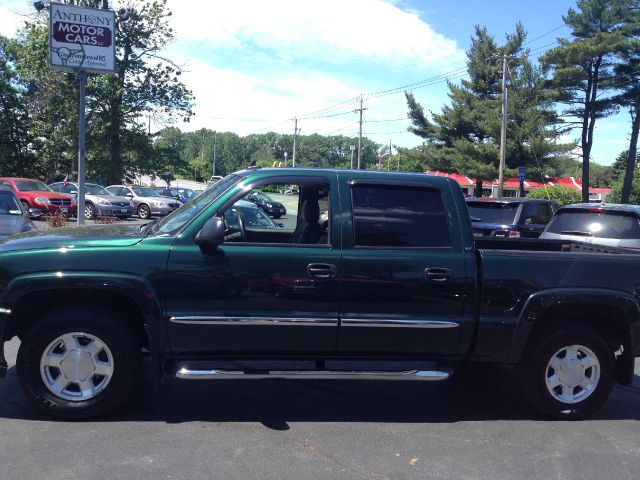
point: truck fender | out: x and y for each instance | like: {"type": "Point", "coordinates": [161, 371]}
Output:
{"type": "Point", "coordinates": [538, 304]}
{"type": "Point", "coordinates": [135, 288]}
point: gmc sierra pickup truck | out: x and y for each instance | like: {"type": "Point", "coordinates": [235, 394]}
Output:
{"type": "Point", "coordinates": [369, 275]}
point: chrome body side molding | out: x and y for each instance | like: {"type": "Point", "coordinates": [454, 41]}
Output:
{"type": "Point", "coordinates": [391, 322]}
{"type": "Point", "coordinates": [206, 320]}
{"type": "Point", "coordinates": [185, 373]}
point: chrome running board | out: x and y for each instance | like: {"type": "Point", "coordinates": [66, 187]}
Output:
{"type": "Point", "coordinates": [433, 375]}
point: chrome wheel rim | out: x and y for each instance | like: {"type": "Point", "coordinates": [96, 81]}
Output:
{"type": "Point", "coordinates": [88, 211]}
{"type": "Point", "coordinates": [572, 374]}
{"type": "Point", "coordinates": [76, 366]}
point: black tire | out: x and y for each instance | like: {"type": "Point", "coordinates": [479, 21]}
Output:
{"type": "Point", "coordinates": [25, 205]}
{"type": "Point", "coordinates": [122, 355]}
{"type": "Point", "coordinates": [539, 375]}
{"type": "Point", "coordinates": [276, 216]}
{"type": "Point", "coordinates": [89, 211]}
{"type": "Point", "coordinates": [144, 212]}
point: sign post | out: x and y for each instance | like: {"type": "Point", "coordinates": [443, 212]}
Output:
{"type": "Point", "coordinates": [521, 175]}
{"type": "Point", "coordinates": [81, 40]}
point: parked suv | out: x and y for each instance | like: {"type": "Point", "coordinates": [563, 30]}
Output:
{"type": "Point", "coordinates": [36, 194]}
{"type": "Point", "coordinates": [612, 225]}
{"type": "Point", "coordinates": [98, 201]}
{"type": "Point", "coordinates": [146, 201]}
{"type": "Point", "coordinates": [510, 217]}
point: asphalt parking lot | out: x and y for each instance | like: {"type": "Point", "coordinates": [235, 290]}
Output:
{"type": "Point", "coordinates": [471, 427]}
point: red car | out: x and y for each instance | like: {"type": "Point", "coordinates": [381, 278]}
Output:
{"type": "Point", "coordinates": [36, 194]}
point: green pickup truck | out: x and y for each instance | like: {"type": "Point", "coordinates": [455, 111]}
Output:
{"type": "Point", "coordinates": [369, 275]}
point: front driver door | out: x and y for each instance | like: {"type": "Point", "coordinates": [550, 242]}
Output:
{"type": "Point", "coordinates": [257, 292]}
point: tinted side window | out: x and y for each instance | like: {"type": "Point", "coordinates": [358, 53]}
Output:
{"type": "Point", "coordinates": [392, 216]}
{"type": "Point", "coordinates": [538, 213]}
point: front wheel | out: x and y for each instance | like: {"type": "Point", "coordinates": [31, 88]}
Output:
{"type": "Point", "coordinates": [570, 373]}
{"type": "Point", "coordinates": [79, 363]}
{"type": "Point", "coordinates": [144, 212]}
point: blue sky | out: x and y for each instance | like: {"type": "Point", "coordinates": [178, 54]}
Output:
{"type": "Point", "coordinates": [254, 65]}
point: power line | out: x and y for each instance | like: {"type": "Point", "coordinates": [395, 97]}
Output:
{"type": "Point", "coordinates": [545, 34]}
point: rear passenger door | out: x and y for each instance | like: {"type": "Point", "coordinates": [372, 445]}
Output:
{"type": "Point", "coordinates": [404, 284]}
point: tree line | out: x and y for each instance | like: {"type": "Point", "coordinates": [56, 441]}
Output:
{"type": "Point", "coordinates": [592, 74]}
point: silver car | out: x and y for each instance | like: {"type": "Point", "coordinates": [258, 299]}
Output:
{"type": "Point", "coordinates": [613, 225]}
{"type": "Point", "coordinates": [98, 202]}
{"type": "Point", "coordinates": [146, 201]}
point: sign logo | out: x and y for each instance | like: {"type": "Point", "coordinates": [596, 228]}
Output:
{"type": "Point", "coordinates": [81, 39]}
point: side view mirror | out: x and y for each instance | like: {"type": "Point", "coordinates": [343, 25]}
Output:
{"type": "Point", "coordinates": [73, 192]}
{"type": "Point", "coordinates": [211, 234]}
{"type": "Point", "coordinates": [130, 195]}
{"type": "Point", "coordinates": [34, 212]}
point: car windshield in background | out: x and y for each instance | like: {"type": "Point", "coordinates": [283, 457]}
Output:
{"type": "Point", "coordinates": [493, 212]}
{"type": "Point", "coordinates": [32, 186]}
{"type": "Point", "coordinates": [186, 192]}
{"type": "Point", "coordinates": [93, 189]}
{"type": "Point", "coordinates": [145, 192]}
{"type": "Point", "coordinates": [180, 217]}
{"type": "Point", "coordinates": [609, 224]}
{"type": "Point", "coordinates": [9, 204]}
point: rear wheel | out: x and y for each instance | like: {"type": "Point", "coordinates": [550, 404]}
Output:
{"type": "Point", "coordinates": [570, 373]}
{"type": "Point", "coordinates": [78, 363]}
{"type": "Point", "coordinates": [144, 212]}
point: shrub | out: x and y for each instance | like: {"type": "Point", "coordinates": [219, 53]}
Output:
{"type": "Point", "coordinates": [562, 195]}
{"type": "Point", "coordinates": [56, 220]}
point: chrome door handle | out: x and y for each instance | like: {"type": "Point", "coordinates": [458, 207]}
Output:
{"type": "Point", "coordinates": [437, 274]}
{"type": "Point", "coordinates": [321, 270]}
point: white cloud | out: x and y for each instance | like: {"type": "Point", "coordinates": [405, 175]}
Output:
{"type": "Point", "coordinates": [12, 15]}
{"type": "Point", "coordinates": [331, 31]}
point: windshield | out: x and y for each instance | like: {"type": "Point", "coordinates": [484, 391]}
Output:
{"type": "Point", "coordinates": [262, 196]}
{"type": "Point", "coordinates": [187, 193]}
{"type": "Point", "coordinates": [494, 212]}
{"type": "Point", "coordinates": [145, 192]}
{"type": "Point", "coordinates": [608, 224]}
{"type": "Point", "coordinates": [8, 204]}
{"type": "Point", "coordinates": [32, 186]}
{"type": "Point", "coordinates": [180, 217]}
{"type": "Point", "coordinates": [251, 216]}
{"type": "Point", "coordinates": [93, 189]}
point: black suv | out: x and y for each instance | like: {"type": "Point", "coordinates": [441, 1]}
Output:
{"type": "Point", "coordinates": [510, 217]}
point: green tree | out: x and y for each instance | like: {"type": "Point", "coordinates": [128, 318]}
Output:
{"type": "Point", "coordinates": [634, 195]}
{"type": "Point", "coordinates": [627, 72]}
{"type": "Point", "coordinates": [145, 84]}
{"type": "Point", "coordinates": [582, 71]}
{"type": "Point", "coordinates": [14, 137]}
{"type": "Point", "coordinates": [562, 195]}
{"type": "Point", "coordinates": [464, 137]}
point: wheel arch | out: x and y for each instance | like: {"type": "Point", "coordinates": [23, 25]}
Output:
{"type": "Point", "coordinates": [33, 296]}
{"type": "Point", "coordinates": [613, 314]}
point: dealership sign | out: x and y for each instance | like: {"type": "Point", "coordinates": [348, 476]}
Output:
{"type": "Point", "coordinates": [82, 39]}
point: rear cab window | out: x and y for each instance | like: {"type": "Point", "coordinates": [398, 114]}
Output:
{"type": "Point", "coordinates": [399, 216]}
{"type": "Point", "coordinates": [596, 223]}
{"type": "Point", "coordinates": [493, 212]}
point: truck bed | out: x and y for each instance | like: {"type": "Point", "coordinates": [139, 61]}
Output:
{"type": "Point", "coordinates": [546, 245]}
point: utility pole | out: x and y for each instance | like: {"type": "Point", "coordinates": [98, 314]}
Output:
{"type": "Point", "coordinates": [503, 125]}
{"type": "Point", "coordinates": [389, 155]}
{"type": "Point", "coordinates": [295, 136]}
{"type": "Point", "coordinates": [353, 149]}
{"type": "Point", "coordinates": [360, 135]}
{"type": "Point", "coordinates": [215, 144]}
